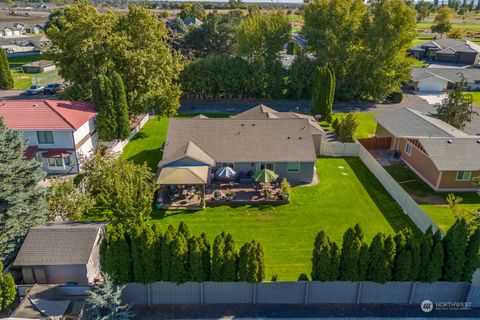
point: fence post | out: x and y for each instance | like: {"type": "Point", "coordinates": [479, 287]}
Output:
{"type": "Point", "coordinates": [412, 290]}
{"type": "Point", "coordinates": [254, 293]}
{"type": "Point", "coordinates": [149, 294]}
{"type": "Point", "coordinates": [359, 292]}
{"type": "Point", "coordinates": [202, 293]}
{"type": "Point", "coordinates": [307, 287]}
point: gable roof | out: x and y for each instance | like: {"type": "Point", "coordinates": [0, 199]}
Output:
{"type": "Point", "coordinates": [453, 154]}
{"type": "Point", "coordinates": [263, 112]}
{"type": "Point", "coordinates": [189, 150]}
{"type": "Point", "coordinates": [183, 175]}
{"type": "Point", "coordinates": [448, 46]}
{"type": "Point", "coordinates": [45, 114]}
{"type": "Point", "coordinates": [448, 74]}
{"type": "Point", "coordinates": [238, 140]}
{"type": "Point", "coordinates": [59, 244]}
{"type": "Point", "coordinates": [406, 122]}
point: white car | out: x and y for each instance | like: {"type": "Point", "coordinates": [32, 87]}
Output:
{"type": "Point", "coordinates": [35, 89]}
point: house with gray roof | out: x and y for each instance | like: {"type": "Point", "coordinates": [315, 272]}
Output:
{"type": "Point", "coordinates": [260, 138]}
{"type": "Point", "coordinates": [447, 50]}
{"type": "Point", "coordinates": [441, 79]}
{"type": "Point", "coordinates": [57, 253]}
{"type": "Point", "coordinates": [446, 158]}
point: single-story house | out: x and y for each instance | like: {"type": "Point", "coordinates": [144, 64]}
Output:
{"type": "Point", "coordinates": [196, 148]}
{"type": "Point", "coordinates": [39, 66]}
{"type": "Point", "coordinates": [447, 50]}
{"type": "Point", "coordinates": [441, 79]}
{"type": "Point", "coordinates": [57, 132]}
{"type": "Point", "coordinates": [446, 158]}
{"type": "Point", "coordinates": [57, 253]}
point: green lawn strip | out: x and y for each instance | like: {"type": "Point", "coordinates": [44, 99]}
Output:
{"type": "Point", "coordinates": [21, 81]}
{"type": "Point", "coordinates": [476, 97]}
{"type": "Point", "coordinates": [16, 62]}
{"type": "Point", "coordinates": [366, 127]}
{"type": "Point", "coordinates": [347, 194]}
{"type": "Point", "coordinates": [295, 17]}
{"type": "Point", "coordinates": [440, 213]}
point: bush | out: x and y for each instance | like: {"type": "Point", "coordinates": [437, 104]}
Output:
{"type": "Point", "coordinates": [396, 96]}
{"type": "Point", "coordinates": [303, 277]}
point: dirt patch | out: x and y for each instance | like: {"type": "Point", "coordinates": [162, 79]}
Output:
{"type": "Point", "coordinates": [436, 200]}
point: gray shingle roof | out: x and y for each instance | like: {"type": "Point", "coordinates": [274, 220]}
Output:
{"type": "Point", "coordinates": [58, 244]}
{"type": "Point", "coordinates": [453, 154]}
{"type": "Point", "coordinates": [406, 122]}
{"type": "Point", "coordinates": [238, 140]}
{"type": "Point", "coordinates": [448, 46]}
{"type": "Point", "coordinates": [449, 74]}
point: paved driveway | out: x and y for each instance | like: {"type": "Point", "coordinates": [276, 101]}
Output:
{"type": "Point", "coordinates": [432, 97]}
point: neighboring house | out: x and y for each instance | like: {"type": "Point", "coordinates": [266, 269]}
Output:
{"type": "Point", "coordinates": [57, 132]}
{"type": "Point", "coordinates": [446, 158]}
{"type": "Point", "coordinates": [441, 79]}
{"type": "Point", "coordinates": [253, 140]}
{"type": "Point", "coordinates": [447, 50]}
{"type": "Point", "coordinates": [39, 66]}
{"type": "Point", "coordinates": [193, 22]}
{"type": "Point", "coordinates": [35, 29]}
{"type": "Point", "coordinates": [19, 26]}
{"type": "Point", "coordinates": [57, 253]}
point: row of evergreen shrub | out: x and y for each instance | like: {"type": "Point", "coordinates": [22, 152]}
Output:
{"type": "Point", "coordinates": [146, 254]}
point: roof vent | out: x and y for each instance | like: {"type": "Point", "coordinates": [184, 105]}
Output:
{"type": "Point", "coordinates": [299, 138]}
{"type": "Point", "coordinates": [288, 138]}
{"type": "Point", "coordinates": [242, 124]}
{"type": "Point", "coordinates": [34, 105]}
{"type": "Point", "coordinates": [253, 124]}
{"type": "Point", "coordinates": [449, 141]}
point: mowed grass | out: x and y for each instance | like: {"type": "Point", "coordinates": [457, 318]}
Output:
{"type": "Point", "coordinates": [476, 97]}
{"type": "Point", "coordinates": [367, 124]}
{"type": "Point", "coordinates": [432, 202]}
{"type": "Point", "coordinates": [347, 194]}
{"type": "Point", "coordinates": [25, 80]}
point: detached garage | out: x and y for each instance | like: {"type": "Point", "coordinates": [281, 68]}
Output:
{"type": "Point", "coordinates": [432, 84]}
{"type": "Point", "coordinates": [58, 253]}
{"type": "Point", "coordinates": [439, 79]}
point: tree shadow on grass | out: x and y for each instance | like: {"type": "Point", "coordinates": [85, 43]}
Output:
{"type": "Point", "coordinates": [390, 209]}
{"type": "Point", "coordinates": [151, 157]}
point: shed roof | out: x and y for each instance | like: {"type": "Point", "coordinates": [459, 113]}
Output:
{"type": "Point", "coordinates": [59, 244]}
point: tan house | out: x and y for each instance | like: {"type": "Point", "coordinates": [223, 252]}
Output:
{"type": "Point", "coordinates": [57, 253]}
{"type": "Point", "coordinates": [446, 158]}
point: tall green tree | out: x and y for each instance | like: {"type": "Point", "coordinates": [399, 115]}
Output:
{"type": "Point", "coordinates": [363, 260]}
{"type": "Point", "coordinates": [166, 254]}
{"type": "Point", "coordinates": [102, 98]}
{"type": "Point", "coordinates": [325, 259]}
{"type": "Point", "coordinates": [179, 250]}
{"type": "Point", "coordinates": [115, 256]}
{"type": "Point", "coordinates": [456, 108]}
{"type": "Point", "coordinates": [86, 43]}
{"type": "Point", "coordinates": [350, 256]}
{"type": "Point", "coordinates": [443, 20]}
{"type": "Point", "coordinates": [426, 247]}
{"type": "Point", "coordinates": [455, 245]}
{"type": "Point", "coordinates": [6, 79]}
{"type": "Point", "coordinates": [157, 251]}
{"type": "Point", "coordinates": [218, 257]}
{"type": "Point", "coordinates": [403, 261]}
{"type": "Point", "coordinates": [120, 106]}
{"type": "Point", "coordinates": [22, 199]}
{"type": "Point", "coordinates": [8, 290]}
{"type": "Point", "coordinates": [261, 37]}
{"type": "Point", "coordinates": [230, 268]}
{"type": "Point", "coordinates": [324, 92]}
{"type": "Point", "coordinates": [346, 127]}
{"type": "Point", "coordinates": [472, 254]}
{"type": "Point", "coordinates": [206, 256]}
{"type": "Point", "coordinates": [380, 252]}
{"type": "Point", "coordinates": [301, 78]}
{"type": "Point", "coordinates": [195, 260]}
{"type": "Point", "coordinates": [435, 266]}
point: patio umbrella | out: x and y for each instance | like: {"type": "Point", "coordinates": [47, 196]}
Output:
{"type": "Point", "coordinates": [226, 173]}
{"type": "Point", "coordinates": [264, 176]}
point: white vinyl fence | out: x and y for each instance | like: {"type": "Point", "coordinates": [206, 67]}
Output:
{"type": "Point", "coordinates": [410, 206]}
{"type": "Point", "coordinates": [339, 149]}
{"type": "Point", "coordinates": [118, 146]}
{"type": "Point", "coordinates": [300, 292]}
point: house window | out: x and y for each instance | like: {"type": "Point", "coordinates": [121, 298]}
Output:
{"type": "Point", "coordinates": [55, 162]}
{"type": "Point", "coordinates": [464, 175]}
{"type": "Point", "coordinates": [408, 149]}
{"type": "Point", "coordinates": [268, 166]}
{"type": "Point", "coordinates": [293, 166]}
{"type": "Point", "coordinates": [477, 81]}
{"type": "Point", "coordinates": [45, 137]}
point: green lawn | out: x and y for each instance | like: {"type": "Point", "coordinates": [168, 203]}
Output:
{"type": "Point", "coordinates": [25, 80]}
{"type": "Point", "coordinates": [433, 203]}
{"type": "Point", "coordinates": [347, 194]}
{"type": "Point", "coordinates": [367, 124]}
{"type": "Point", "coordinates": [476, 97]}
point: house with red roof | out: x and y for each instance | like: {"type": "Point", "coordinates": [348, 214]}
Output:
{"type": "Point", "coordinates": [58, 132]}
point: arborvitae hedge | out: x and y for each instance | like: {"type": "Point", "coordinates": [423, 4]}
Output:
{"type": "Point", "coordinates": [147, 256]}
{"type": "Point", "coordinates": [409, 256]}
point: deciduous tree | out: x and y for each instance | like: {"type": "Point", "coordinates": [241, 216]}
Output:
{"type": "Point", "coordinates": [66, 202]}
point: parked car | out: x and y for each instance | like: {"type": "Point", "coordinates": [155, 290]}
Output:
{"type": "Point", "coordinates": [35, 89]}
{"type": "Point", "coordinates": [53, 88]}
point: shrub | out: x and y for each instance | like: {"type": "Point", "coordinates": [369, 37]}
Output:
{"type": "Point", "coordinates": [303, 277]}
{"type": "Point", "coordinates": [396, 96]}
